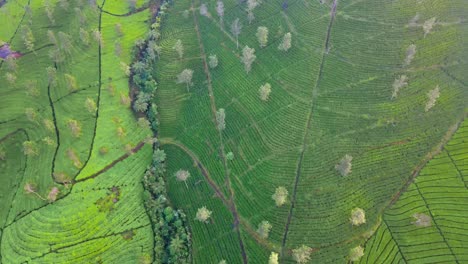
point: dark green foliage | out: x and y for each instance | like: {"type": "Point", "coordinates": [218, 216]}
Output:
{"type": "Point", "coordinates": [171, 235]}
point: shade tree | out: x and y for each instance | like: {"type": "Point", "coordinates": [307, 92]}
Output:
{"type": "Point", "coordinates": [285, 44]}
{"type": "Point", "coordinates": [236, 28]}
{"type": "Point", "coordinates": [179, 48]}
{"type": "Point", "coordinates": [265, 91]}
{"type": "Point", "coordinates": [203, 214]}
{"type": "Point", "coordinates": [302, 254]}
{"type": "Point", "coordinates": [358, 216]}
{"type": "Point", "coordinates": [262, 36]}
{"type": "Point", "coordinates": [344, 166]}
{"type": "Point", "coordinates": [185, 77]}
{"type": "Point", "coordinates": [213, 61]}
{"type": "Point", "coordinates": [280, 196]}
{"type": "Point", "coordinates": [220, 119]}
{"type": "Point", "coordinates": [248, 57]}
{"type": "Point", "coordinates": [432, 97]}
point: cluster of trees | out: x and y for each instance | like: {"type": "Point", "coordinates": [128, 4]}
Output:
{"type": "Point", "coordinates": [171, 234]}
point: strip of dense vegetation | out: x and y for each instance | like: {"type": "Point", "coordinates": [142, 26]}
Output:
{"type": "Point", "coordinates": [171, 233]}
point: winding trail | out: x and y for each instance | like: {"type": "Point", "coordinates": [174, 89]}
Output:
{"type": "Point", "coordinates": [113, 163]}
{"type": "Point", "coordinates": [201, 167]}
{"type": "Point", "coordinates": [326, 48]}
{"type": "Point", "coordinates": [233, 209]}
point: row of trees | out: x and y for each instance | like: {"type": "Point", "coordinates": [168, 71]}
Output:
{"type": "Point", "coordinates": [171, 234]}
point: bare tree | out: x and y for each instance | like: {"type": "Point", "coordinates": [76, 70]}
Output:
{"type": "Point", "coordinates": [118, 30]}
{"type": "Point", "coordinates": [356, 253]}
{"type": "Point", "coordinates": [32, 189]}
{"type": "Point", "coordinates": [410, 52]}
{"type": "Point", "coordinates": [203, 214]}
{"type": "Point", "coordinates": [31, 114]}
{"type": "Point", "coordinates": [203, 10]}
{"type": "Point", "coordinates": [220, 11]}
{"type": "Point", "coordinates": [182, 175]}
{"type": "Point", "coordinates": [98, 37]}
{"type": "Point", "coordinates": [273, 258]}
{"type": "Point", "coordinates": [220, 119]}
{"type": "Point", "coordinates": [358, 217]}
{"type": "Point", "coordinates": [433, 95]}
{"type": "Point", "coordinates": [80, 16]}
{"type": "Point", "coordinates": [344, 167]}
{"type": "Point", "coordinates": [265, 91]}
{"type": "Point", "coordinates": [49, 9]}
{"type": "Point", "coordinates": [11, 63]}
{"type": "Point", "coordinates": [422, 220]}
{"type": "Point", "coordinates": [52, 38]}
{"type": "Point", "coordinates": [48, 141]}
{"type": "Point", "coordinates": [179, 48]}
{"type": "Point", "coordinates": [52, 196]}
{"type": "Point", "coordinates": [248, 57]}
{"type": "Point", "coordinates": [10, 77]}
{"type": "Point", "coordinates": [262, 36]}
{"type": "Point", "coordinates": [285, 44]}
{"type": "Point", "coordinates": [31, 88]}
{"type": "Point", "coordinates": [49, 125]}
{"type": "Point", "coordinates": [28, 38]}
{"type": "Point", "coordinates": [236, 28]}
{"type": "Point", "coordinates": [75, 127]}
{"type": "Point", "coordinates": [264, 229]}
{"type": "Point", "coordinates": [213, 61]}
{"type": "Point", "coordinates": [71, 82]}
{"type": "Point", "coordinates": [280, 196]}
{"type": "Point", "coordinates": [65, 42]}
{"type": "Point", "coordinates": [428, 25]}
{"type": "Point", "coordinates": [30, 148]}
{"type": "Point", "coordinates": [251, 5]}
{"type": "Point", "coordinates": [90, 105]}
{"type": "Point", "coordinates": [185, 77]}
{"type": "Point", "coordinates": [51, 76]}
{"type": "Point", "coordinates": [125, 68]}
{"type": "Point", "coordinates": [302, 254]}
{"type": "Point", "coordinates": [399, 83]}
{"type": "Point", "coordinates": [84, 36]}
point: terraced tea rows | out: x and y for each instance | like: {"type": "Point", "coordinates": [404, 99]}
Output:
{"type": "Point", "coordinates": [85, 135]}
{"type": "Point", "coordinates": [331, 96]}
{"type": "Point", "coordinates": [428, 223]}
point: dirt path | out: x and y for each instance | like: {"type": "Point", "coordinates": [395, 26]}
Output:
{"type": "Point", "coordinates": [113, 163]}
{"type": "Point", "coordinates": [233, 209]}
{"type": "Point", "coordinates": [201, 167]}
{"type": "Point", "coordinates": [308, 126]}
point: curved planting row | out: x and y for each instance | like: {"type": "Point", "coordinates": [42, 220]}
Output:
{"type": "Point", "coordinates": [427, 224]}
{"type": "Point", "coordinates": [354, 107]}
{"type": "Point", "coordinates": [96, 213]}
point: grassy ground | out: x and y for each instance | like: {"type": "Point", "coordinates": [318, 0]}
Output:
{"type": "Point", "coordinates": [90, 221]}
{"type": "Point", "coordinates": [331, 96]}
